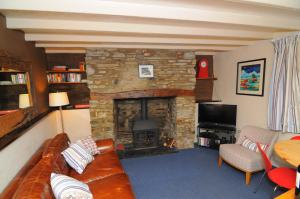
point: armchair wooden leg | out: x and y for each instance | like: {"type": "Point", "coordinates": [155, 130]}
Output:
{"type": "Point", "coordinates": [248, 177]}
{"type": "Point", "coordinates": [220, 161]}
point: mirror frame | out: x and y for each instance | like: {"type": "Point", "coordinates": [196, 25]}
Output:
{"type": "Point", "coordinates": [21, 117]}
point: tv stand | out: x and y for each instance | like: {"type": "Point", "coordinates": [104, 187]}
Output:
{"type": "Point", "coordinates": [213, 137]}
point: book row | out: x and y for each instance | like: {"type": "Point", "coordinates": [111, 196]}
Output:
{"type": "Point", "coordinates": [59, 78]}
{"type": "Point", "coordinates": [19, 78]}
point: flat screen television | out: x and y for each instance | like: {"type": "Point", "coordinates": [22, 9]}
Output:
{"type": "Point", "coordinates": [217, 116]}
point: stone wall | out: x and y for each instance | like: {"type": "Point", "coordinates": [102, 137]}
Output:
{"type": "Point", "coordinates": [116, 70]}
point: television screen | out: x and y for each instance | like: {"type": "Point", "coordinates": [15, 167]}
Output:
{"type": "Point", "coordinates": [221, 114]}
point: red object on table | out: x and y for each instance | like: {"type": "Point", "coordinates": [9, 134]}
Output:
{"type": "Point", "coordinates": [295, 138]}
{"type": "Point", "coordinates": [120, 147]}
{"type": "Point", "coordinates": [203, 68]}
{"type": "Point", "coordinates": [82, 106]}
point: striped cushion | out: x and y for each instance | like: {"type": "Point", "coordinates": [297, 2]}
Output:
{"type": "Point", "coordinates": [249, 144]}
{"type": "Point", "coordinates": [90, 145]}
{"type": "Point", "coordinates": [77, 157]}
{"type": "Point", "coordinates": [65, 187]}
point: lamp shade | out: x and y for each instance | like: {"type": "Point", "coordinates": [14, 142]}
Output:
{"type": "Point", "coordinates": [24, 101]}
{"type": "Point", "coordinates": [58, 99]}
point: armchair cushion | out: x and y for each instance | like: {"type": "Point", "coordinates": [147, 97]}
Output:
{"type": "Point", "coordinates": [241, 157]}
{"type": "Point", "coordinates": [251, 145]}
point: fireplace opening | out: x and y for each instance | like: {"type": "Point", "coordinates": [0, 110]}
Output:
{"type": "Point", "coordinates": [144, 123]}
{"type": "Point", "coordinates": [145, 131]}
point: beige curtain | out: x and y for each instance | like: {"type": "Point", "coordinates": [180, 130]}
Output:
{"type": "Point", "coordinates": [284, 100]}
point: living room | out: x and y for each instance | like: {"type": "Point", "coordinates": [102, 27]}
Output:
{"type": "Point", "coordinates": [136, 60]}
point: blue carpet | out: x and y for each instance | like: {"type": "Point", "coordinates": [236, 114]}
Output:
{"type": "Point", "coordinates": [190, 174]}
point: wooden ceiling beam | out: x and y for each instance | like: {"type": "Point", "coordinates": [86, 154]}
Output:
{"type": "Point", "coordinates": [146, 46]}
{"type": "Point", "coordinates": [132, 28]}
{"type": "Point", "coordinates": [286, 4]}
{"type": "Point", "coordinates": [213, 12]}
{"type": "Point", "coordinates": [75, 38]}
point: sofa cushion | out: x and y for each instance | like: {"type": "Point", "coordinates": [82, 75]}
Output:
{"type": "Point", "coordinates": [59, 143]}
{"type": "Point", "coordinates": [116, 186]}
{"type": "Point", "coordinates": [241, 157]}
{"type": "Point", "coordinates": [90, 145]}
{"type": "Point", "coordinates": [77, 157]}
{"type": "Point", "coordinates": [53, 152]}
{"type": "Point", "coordinates": [36, 183]}
{"type": "Point", "coordinates": [66, 187]}
{"type": "Point", "coordinates": [104, 165]}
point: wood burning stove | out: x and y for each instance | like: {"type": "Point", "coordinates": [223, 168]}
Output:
{"type": "Point", "coordinates": [145, 130]}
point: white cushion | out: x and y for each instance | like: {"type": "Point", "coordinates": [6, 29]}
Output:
{"type": "Point", "coordinates": [65, 187]}
{"type": "Point", "coordinates": [90, 145]}
{"type": "Point", "coordinates": [77, 157]}
{"type": "Point", "coordinates": [251, 145]}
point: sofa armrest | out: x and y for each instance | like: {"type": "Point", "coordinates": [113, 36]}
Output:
{"type": "Point", "coordinates": [105, 145]}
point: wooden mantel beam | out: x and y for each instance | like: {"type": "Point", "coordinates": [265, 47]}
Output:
{"type": "Point", "coordinates": [149, 93]}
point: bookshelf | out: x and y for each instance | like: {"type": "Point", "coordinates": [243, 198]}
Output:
{"type": "Point", "coordinates": [12, 84]}
{"type": "Point", "coordinates": [66, 73]}
{"type": "Point", "coordinates": [65, 77]}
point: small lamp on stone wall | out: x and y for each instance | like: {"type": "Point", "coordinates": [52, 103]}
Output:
{"type": "Point", "coordinates": [59, 99]}
{"type": "Point", "coordinates": [24, 101]}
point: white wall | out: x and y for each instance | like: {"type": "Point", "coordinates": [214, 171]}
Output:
{"type": "Point", "coordinates": [77, 123]}
{"type": "Point", "coordinates": [15, 155]}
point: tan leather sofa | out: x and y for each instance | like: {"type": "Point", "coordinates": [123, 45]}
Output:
{"type": "Point", "coordinates": [105, 175]}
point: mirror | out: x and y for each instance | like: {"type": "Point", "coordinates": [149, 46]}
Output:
{"type": "Point", "coordinates": [15, 97]}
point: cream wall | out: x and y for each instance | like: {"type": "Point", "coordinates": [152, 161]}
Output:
{"type": "Point", "coordinates": [252, 110]}
{"type": "Point", "coordinates": [77, 123]}
{"type": "Point", "coordinates": [14, 156]}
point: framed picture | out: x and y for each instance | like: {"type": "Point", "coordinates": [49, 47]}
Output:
{"type": "Point", "coordinates": [146, 71]}
{"type": "Point", "coordinates": [250, 77]}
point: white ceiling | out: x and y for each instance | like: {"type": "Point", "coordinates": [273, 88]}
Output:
{"type": "Point", "coordinates": [208, 26]}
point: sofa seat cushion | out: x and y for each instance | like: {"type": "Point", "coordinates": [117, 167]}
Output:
{"type": "Point", "coordinates": [241, 157]}
{"type": "Point", "coordinates": [104, 165]}
{"type": "Point", "coordinates": [106, 145]}
{"type": "Point", "coordinates": [116, 186]}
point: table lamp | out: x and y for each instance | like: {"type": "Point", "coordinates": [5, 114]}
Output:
{"type": "Point", "coordinates": [24, 101]}
{"type": "Point", "coordinates": [59, 99]}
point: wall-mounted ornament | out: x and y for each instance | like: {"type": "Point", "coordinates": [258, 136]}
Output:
{"type": "Point", "coordinates": [204, 66]}
{"type": "Point", "coordinates": [146, 71]}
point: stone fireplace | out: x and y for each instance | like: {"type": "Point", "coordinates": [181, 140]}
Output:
{"type": "Point", "coordinates": [130, 115]}
{"type": "Point", "coordinates": [117, 90]}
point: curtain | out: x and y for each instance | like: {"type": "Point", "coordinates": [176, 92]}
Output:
{"type": "Point", "coordinates": [284, 98]}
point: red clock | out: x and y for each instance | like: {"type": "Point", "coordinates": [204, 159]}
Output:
{"type": "Point", "coordinates": [203, 68]}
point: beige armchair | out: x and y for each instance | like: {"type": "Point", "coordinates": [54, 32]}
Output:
{"type": "Point", "coordinates": [244, 159]}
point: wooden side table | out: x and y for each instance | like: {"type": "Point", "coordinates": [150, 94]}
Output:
{"type": "Point", "coordinates": [290, 194]}
{"type": "Point", "coordinates": [289, 151]}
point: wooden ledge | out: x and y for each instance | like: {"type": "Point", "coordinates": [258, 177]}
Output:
{"type": "Point", "coordinates": [134, 94]}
